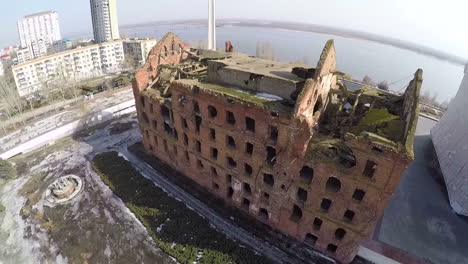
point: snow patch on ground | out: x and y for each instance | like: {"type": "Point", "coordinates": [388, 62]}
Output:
{"type": "Point", "coordinates": [14, 247]}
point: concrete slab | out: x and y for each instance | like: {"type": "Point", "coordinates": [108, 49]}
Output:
{"type": "Point", "coordinates": [419, 219]}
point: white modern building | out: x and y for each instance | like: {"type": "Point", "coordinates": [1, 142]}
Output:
{"type": "Point", "coordinates": [68, 67]}
{"type": "Point", "coordinates": [138, 49]}
{"type": "Point", "coordinates": [450, 139]}
{"type": "Point", "coordinates": [104, 17]}
{"type": "Point", "coordinates": [2, 66]}
{"type": "Point", "coordinates": [38, 32]}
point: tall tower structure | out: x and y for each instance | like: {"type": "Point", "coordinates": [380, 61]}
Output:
{"type": "Point", "coordinates": [37, 32]}
{"type": "Point", "coordinates": [104, 17]}
{"type": "Point", "coordinates": [211, 25]}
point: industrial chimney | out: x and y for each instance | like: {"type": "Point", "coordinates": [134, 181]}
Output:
{"type": "Point", "coordinates": [211, 25]}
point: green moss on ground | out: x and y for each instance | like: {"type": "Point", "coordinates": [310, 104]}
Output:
{"type": "Point", "coordinates": [2, 208]}
{"type": "Point", "coordinates": [7, 170]}
{"type": "Point", "coordinates": [182, 234]}
{"type": "Point", "coordinates": [377, 116]}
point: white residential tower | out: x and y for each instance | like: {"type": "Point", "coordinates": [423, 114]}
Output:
{"type": "Point", "coordinates": [38, 32]}
{"type": "Point", "coordinates": [104, 16]}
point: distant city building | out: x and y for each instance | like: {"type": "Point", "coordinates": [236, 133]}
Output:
{"type": "Point", "coordinates": [450, 138]}
{"type": "Point", "coordinates": [138, 49]}
{"type": "Point", "coordinates": [22, 56]}
{"type": "Point", "coordinates": [8, 51]}
{"type": "Point", "coordinates": [2, 62]}
{"type": "Point", "coordinates": [69, 66]}
{"type": "Point", "coordinates": [62, 45]}
{"type": "Point", "coordinates": [104, 17]}
{"type": "Point", "coordinates": [38, 32]}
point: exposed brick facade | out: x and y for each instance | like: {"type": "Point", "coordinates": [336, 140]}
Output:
{"type": "Point", "coordinates": [261, 155]}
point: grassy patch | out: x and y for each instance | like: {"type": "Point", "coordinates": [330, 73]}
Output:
{"type": "Point", "coordinates": [177, 230]}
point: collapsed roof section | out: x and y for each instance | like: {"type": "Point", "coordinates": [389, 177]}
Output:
{"type": "Point", "coordinates": [298, 91]}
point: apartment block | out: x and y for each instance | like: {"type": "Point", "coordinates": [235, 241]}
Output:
{"type": "Point", "coordinates": [69, 66]}
{"type": "Point", "coordinates": [287, 144]}
{"type": "Point", "coordinates": [138, 49]}
{"type": "Point", "coordinates": [38, 32]}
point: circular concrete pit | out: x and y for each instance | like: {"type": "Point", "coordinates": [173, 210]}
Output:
{"type": "Point", "coordinates": [64, 189]}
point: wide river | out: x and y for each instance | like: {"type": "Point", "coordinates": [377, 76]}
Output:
{"type": "Point", "coordinates": [355, 57]}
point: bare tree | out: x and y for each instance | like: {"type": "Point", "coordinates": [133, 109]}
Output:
{"type": "Point", "coordinates": [368, 80]}
{"type": "Point", "coordinates": [383, 85]}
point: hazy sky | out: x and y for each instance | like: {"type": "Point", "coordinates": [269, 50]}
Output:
{"type": "Point", "coordinates": [438, 24]}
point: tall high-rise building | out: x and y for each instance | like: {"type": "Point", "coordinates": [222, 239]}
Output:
{"type": "Point", "coordinates": [38, 32]}
{"type": "Point", "coordinates": [104, 16]}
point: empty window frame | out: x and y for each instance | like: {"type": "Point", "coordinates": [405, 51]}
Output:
{"type": "Point", "coordinates": [246, 203]}
{"type": "Point", "coordinates": [340, 233]}
{"type": "Point", "coordinates": [333, 185]}
{"type": "Point", "coordinates": [212, 134]}
{"type": "Point", "coordinates": [145, 117]}
{"type": "Point", "coordinates": [231, 162]}
{"type": "Point", "coordinates": [271, 155]}
{"type": "Point", "coordinates": [306, 174]}
{"type": "Point", "coordinates": [331, 249]}
{"type": "Point", "coordinates": [250, 124]}
{"type": "Point", "coordinates": [370, 168]}
{"type": "Point", "coordinates": [184, 123]}
{"type": "Point", "coordinates": [196, 107]}
{"type": "Point", "coordinates": [359, 194]}
{"type": "Point", "coordinates": [247, 188]}
{"type": "Point", "coordinates": [197, 146]}
{"type": "Point", "coordinates": [301, 195]}
{"type": "Point", "coordinates": [199, 164]}
{"type": "Point", "coordinates": [317, 223]}
{"type": "Point", "coordinates": [248, 169]}
{"type": "Point", "coordinates": [214, 172]}
{"type": "Point", "coordinates": [230, 142]}
{"type": "Point", "coordinates": [296, 213]}
{"type": "Point", "coordinates": [249, 148]}
{"type": "Point", "coordinates": [348, 216]}
{"type": "Point", "coordinates": [263, 214]}
{"type": "Point", "coordinates": [198, 121]}
{"type": "Point", "coordinates": [310, 239]}
{"type": "Point", "coordinates": [230, 118]}
{"type": "Point", "coordinates": [185, 139]}
{"type": "Point", "coordinates": [212, 111]}
{"type": "Point", "coordinates": [214, 153]}
{"type": "Point", "coordinates": [230, 193]}
{"type": "Point", "coordinates": [273, 133]}
{"type": "Point", "coordinates": [325, 204]}
{"type": "Point", "coordinates": [268, 179]}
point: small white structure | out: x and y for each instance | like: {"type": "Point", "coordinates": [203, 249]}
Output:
{"type": "Point", "coordinates": [211, 25]}
{"type": "Point", "coordinates": [64, 189]}
{"type": "Point", "coordinates": [450, 138]}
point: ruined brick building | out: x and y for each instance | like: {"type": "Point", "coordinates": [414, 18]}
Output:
{"type": "Point", "coordinates": [287, 143]}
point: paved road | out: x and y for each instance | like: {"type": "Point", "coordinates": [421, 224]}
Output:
{"type": "Point", "coordinates": [42, 126]}
{"type": "Point", "coordinates": [419, 218]}
{"type": "Point", "coordinates": [219, 222]}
